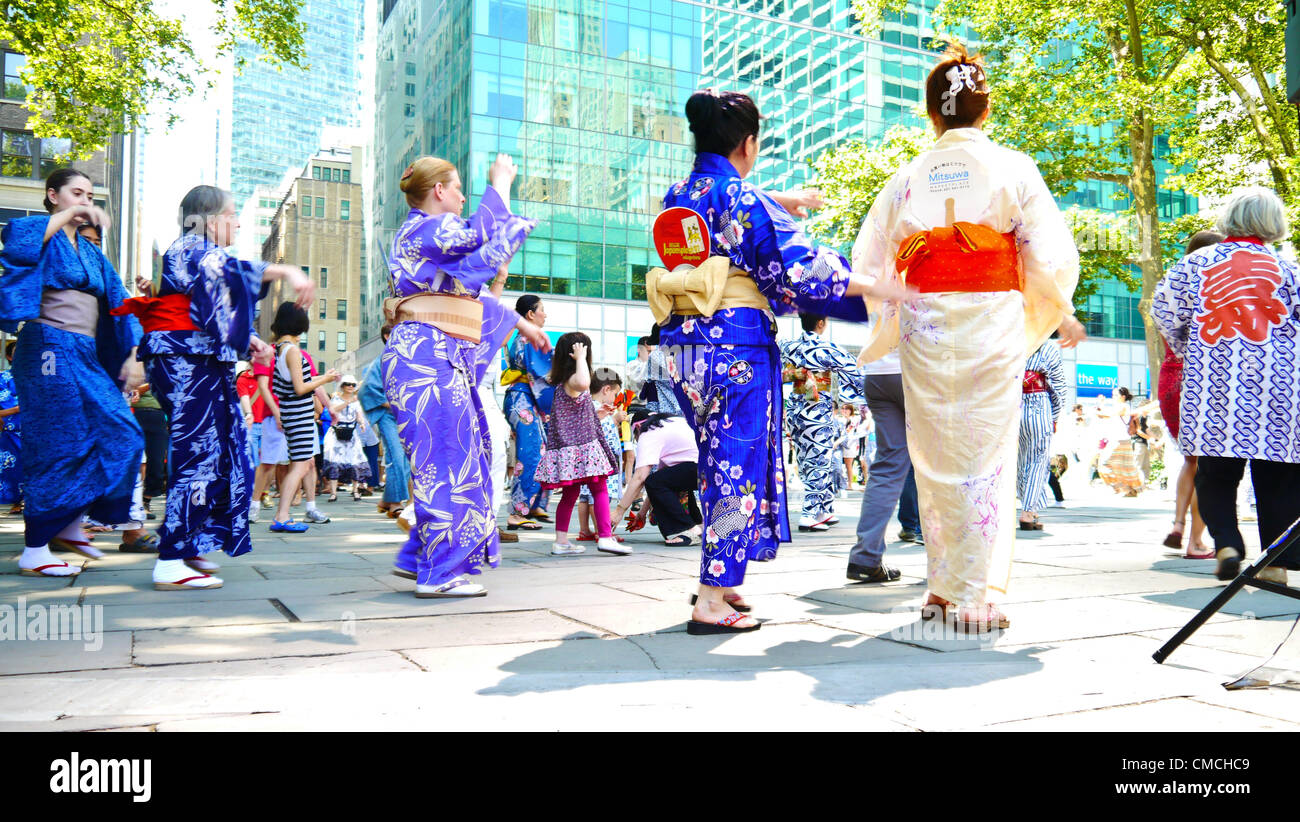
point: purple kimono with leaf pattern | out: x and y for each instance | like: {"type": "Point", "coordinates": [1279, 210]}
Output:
{"type": "Point", "coordinates": [430, 379]}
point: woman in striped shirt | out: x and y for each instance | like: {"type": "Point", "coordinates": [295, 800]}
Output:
{"type": "Point", "coordinates": [293, 387]}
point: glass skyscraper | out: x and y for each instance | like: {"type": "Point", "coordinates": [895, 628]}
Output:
{"type": "Point", "coordinates": [588, 96]}
{"type": "Point", "coordinates": [278, 115]}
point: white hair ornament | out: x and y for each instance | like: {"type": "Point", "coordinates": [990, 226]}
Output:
{"type": "Point", "coordinates": [957, 76]}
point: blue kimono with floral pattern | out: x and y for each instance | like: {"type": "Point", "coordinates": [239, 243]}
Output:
{"type": "Point", "coordinates": [526, 403]}
{"type": "Point", "coordinates": [192, 373]}
{"type": "Point", "coordinates": [82, 446]}
{"type": "Point", "coordinates": [812, 424]}
{"type": "Point", "coordinates": [431, 382]}
{"type": "Point", "coordinates": [11, 469]}
{"type": "Point", "coordinates": [727, 368]}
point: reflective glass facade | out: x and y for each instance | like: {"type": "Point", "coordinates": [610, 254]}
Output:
{"type": "Point", "coordinates": [278, 114]}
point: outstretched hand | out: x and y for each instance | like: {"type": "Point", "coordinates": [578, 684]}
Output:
{"type": "Point", "coordinates": [1072, 332]}
{"type": "Point", "coordinates": [533, 335]}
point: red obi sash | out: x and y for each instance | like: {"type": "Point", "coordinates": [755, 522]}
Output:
{"type": "Point", "coordinates": [960, 257]}
{"type": "Point", "coordinates": [170, 313]}
{"type": "Point", "coordinates": [1033, 383]}
{"type": "Point", "coordinates": [809, 384]}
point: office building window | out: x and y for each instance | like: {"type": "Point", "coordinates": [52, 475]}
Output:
{"type": "Point", "coordinates": [322, 313]}
{"type": "Point", "coordinates": [324, 277]}
{"type": "Point", "coordinates": [343, 341]}
{"type": "Point", "coordinates": [342, 309]}
{"type": "Point", "coordinates": [347, 176]}
{"type": "Point", "coordinates": [22, 154]}
{"type": "Point", "coordinates": [315, 172]}
{"type": "Point", "coordinates": [320, 340]}
{"type": "Point", "coordinates": [320, 206]}
{"type": "Point", "coordinates": [15, 89]}
{"type": "Point", "coordinates": [302, 341]}
{"type": "Point", "coordinates": [345, 209]}
{"type": "Point", "coordinates": [306, 206]}
{"type": "Point", "coordinates": [337, 174]}
{"type": "Point", "coordinates": [410, 89]}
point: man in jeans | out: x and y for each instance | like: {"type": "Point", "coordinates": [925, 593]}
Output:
{"type": "Point", "coordinates": [890, 482]}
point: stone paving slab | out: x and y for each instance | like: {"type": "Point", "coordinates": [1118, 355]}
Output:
{"type": "Point", "coordinates": [598, 641]}
{"type": "Point", "coordinates": [319, 639]}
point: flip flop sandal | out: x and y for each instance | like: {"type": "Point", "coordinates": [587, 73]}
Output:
{"type": "Point", "coordinates": [39, 571]}
{"type": "Point", "coordinates": [744, 608]}
{"type": "Point", "coordinates": [680, 541]}
{"type": "Point", "coordinates": [541, 517]}
{"type": "Point", "coordinates": [526, 525]}
{"type": "Point", "coordinates": [147, 544]}
{"type": "Point", "coordinates": [1174, 540]}
{"type": "Point", "coordinates": [81, 547]}
{"type": "Point", "coordinates": [186, 584]}
{"type": "Point", "coordinates": [203, 565]}
{"type": "Point", "coordinates": [726, 625]}
{"type": "Point", "coordinates": [404, 574]}
{"type": "Point", "coordinates": [448, 591]}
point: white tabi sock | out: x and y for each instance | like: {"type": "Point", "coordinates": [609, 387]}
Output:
{"type": "Point", "coordinates": [34, 558]}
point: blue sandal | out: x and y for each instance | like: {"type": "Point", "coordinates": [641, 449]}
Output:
{"type": "Point", "coordinates": [289, 526]}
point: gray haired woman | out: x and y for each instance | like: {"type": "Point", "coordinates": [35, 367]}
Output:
{"type": "Point", "coordinates": [196, 329]}
{"type": "Point", "coordinates": [1232, 311]}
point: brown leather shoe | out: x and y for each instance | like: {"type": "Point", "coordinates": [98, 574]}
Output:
{"type": "Point", "coordinates": [507, 536]}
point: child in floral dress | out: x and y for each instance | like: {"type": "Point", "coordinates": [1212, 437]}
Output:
{"type": "Point", "coordinates": [605, 386]}
{"type": "Point", "coordinates": [577, 454]}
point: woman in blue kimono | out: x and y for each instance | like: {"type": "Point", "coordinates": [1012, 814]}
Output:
{"type": "Point", "coordinates": [528, 398]}
{"type": "Point", "coordinates": [728, 367]}
{"type": "Point", "coordinates": [81, 453]}
{"type": "Point", "coordinates": [446, 332]}
{"type": "Point", "coordinates": [196, 329]}
{"type": "Point", "coordinates": [11, 470]}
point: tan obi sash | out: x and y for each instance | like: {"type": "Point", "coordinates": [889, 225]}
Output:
{"type": "Point", "coordinates": [454, 315]}
{"type": "Point", "coordinates": [69, 310]}
{"type": "Point", "coordinates": [714, 285]}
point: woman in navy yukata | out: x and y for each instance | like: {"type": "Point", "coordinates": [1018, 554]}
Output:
{"type": "Point", "coordinates": [727, 367]}
{"type": "Point", "coordinates": [81, 454]}
{"type": "Point", "coordinates": [196, 329]}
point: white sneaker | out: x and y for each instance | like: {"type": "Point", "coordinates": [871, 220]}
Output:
{"type": "Point", "coordinates": [315, 516]}
{"type": "Point", "coordinates": [1057, 504]}
{"type": "Point", "coordinates": [253, 511]}
{"type": "Point", "coordinates": [612, 546]}
{"type": "Point", "coordinates": [564, 549]}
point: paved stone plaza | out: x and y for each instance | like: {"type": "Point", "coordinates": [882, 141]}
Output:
{"type": "Point", "coordinates": [313, 632]}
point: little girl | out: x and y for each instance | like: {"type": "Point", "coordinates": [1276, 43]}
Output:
{"type": "Point", "coordinates": [576, 452]}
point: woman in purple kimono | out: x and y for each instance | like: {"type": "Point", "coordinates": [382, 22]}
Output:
{"type": "Point", "coordinates": [444, 336]}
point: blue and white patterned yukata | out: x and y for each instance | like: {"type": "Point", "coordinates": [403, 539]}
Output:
{"type": "Point", "coordinates": [11, 469]}
{"type": "Point", "coordinates": [727, 368]}
{"type": "Point", "coordinates": [1038, 414]}
{"type": "Point", "coordinates": [192, 373]}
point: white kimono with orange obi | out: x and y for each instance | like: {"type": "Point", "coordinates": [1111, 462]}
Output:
{"type": "Point", "coordinates": [963, 353]}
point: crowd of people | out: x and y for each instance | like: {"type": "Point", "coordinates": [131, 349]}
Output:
{"type": "Point", "coordinates": [952, 412]}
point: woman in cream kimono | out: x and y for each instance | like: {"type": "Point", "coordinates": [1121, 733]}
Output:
{"type": "Point", "coordinates": [972, 226]}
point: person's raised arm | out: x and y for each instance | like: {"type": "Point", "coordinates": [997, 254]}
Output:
{"type": "Point", "coordinates": [581, 379]}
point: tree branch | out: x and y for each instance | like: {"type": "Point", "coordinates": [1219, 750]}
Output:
{"type": "Point", "coordinates": [1280, 127]}
{"type": "Point", "coordinates": [1280, 177]}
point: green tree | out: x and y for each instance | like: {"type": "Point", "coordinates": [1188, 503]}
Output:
{"type": "Point", "coordinates": [94, 67]}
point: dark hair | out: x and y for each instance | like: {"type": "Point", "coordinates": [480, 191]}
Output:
{"type": "Point", "coordinates": [645, 342]}
{"type": "Point", "coordinates": [91, 228]}
{"type": "Point", "coordinates": [9, 348]}
{"type": "Point", "coordinates": [1201, 239]}
{"type": "Point", "coordinates": [385, 331]}
{"type": "Point", "coordinates": [527, 303]}
{"type": "Point", "coordinates": [58, 180]}
{"type": "Point", "coordinates": [290, 320]}
{"type": "Point", "coordinates": [643, 421]}
{"type": "Point", "coordinates": [1125, 393]}
{"type": "Point", "coordinates": [602, 377]}
{"type": "Point", "coordinates": [721, 121]}
{"type": "Point", "coordinates": [653, 336]}
{"type": "Point", "coordinates": [562, 362]}
{"type": "Point", "coordinates": [967, 104]}
{"type": "Point", "coordinates": [810, 321]}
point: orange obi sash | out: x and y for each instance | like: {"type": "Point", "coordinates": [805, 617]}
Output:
{"type": "Point", "coordinates": [170, 313]}
{"type": "Point", "coordinates": [961, 257]}
{"type": "Point", "coordinates": [808, 384]}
